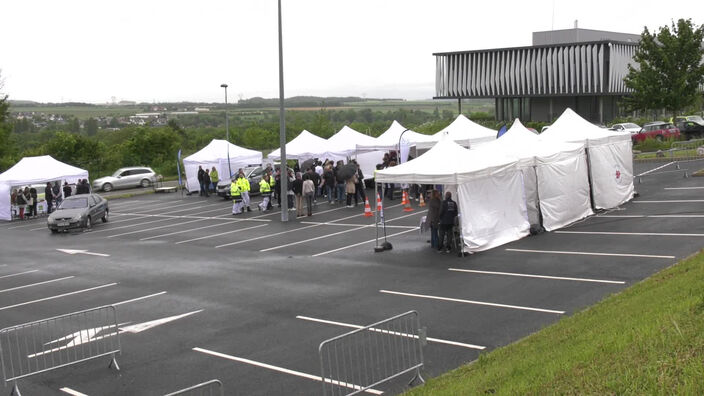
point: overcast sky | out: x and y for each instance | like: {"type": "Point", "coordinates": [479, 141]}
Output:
{"type": "Point", "coordinates": [92, 51]}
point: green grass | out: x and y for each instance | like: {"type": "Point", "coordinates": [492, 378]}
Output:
{"type": "Point", "coordinates": [81, 112]}
{"type": "Point", "coordinates": [646, 340]}
{"type": "Point", "coordinates": [675, 154]}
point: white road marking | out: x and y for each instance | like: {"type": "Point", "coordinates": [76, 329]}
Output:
{"type": "Point", "coordinates": [75, 251]}
{"type": "Point", "coordinates": [431, 339]}
{"type": "Point", "coordinates": [57, 296]}
{"type": "Point", "coordinates": [140, 327]}
{"type": "Point", "coordinates": [222, 233]}
{"type": "Point", "coordinates": [17, 274]}
{"type": "Point", "coordinates": [670, 216]}
{"type": "Point", "coordinates": [672, 201]}
{"type": "Point", "coordinates": [472, 302]}
{"type": "Point", "coordinates": [537, 276]}
{"type": "Point", "coordinates": [629, 233]}
{"type": "Point", "coordinates": [153, 228]}
{"type": "Point", "coordinates": [684, 188]}
{"type": "Point", "coordinates": [72, 392]}
{"type": "Point", "coordinates": [312, 239]}
{"type": "Point", "coordinates": [361, 243]}
{"type": "Point", "coordinates": [138, 298]}
{"type": "Point", "coordinates": [589, 253]}
{"type": "Point", "coordinates": [182, 231]}
{"type": "Point", "coordinates": [36, 284]}
{"type": "Point", "coordinates": [129, 225]}
{"type": "Point", "coordinates": [355, 225]}
{"type": "Point", "coordinates": [284, 370]}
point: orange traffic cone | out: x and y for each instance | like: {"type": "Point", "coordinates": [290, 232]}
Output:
{"type": "Point", "coordinates": [422, 200]}
{"type": "Point", "coordinates": [378, 203]}
{"type": "Point", "coordinates": [367, 208]}
{"type": "Point", "coordinates": [406, 204]}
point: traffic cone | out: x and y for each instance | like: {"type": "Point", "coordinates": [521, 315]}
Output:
{"type": "Point", "coordinates": [404, 201]}
{"type": "Point", "coordinates": [367, 208]}
{"type": "Point", "coordinates": [378, 203]}
{"type": "Point", "coordinates": [422, 200]}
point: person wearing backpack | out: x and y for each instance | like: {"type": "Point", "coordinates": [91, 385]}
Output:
{"type": "Point", "coordinates": [448, 213]}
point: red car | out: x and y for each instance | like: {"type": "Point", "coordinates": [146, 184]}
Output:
{"type": "Point", "coordinates": [656, 130]}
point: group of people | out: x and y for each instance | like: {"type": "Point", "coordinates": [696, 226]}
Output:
{"type": "Point", "coordinates": [26, 199]}
{"type": "Point", "coordinates": [207, 180]}
{"type": "Point", "coordinates": [442, 216]}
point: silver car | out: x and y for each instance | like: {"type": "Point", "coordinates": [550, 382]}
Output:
{"type": "Point", "coordinates": [78, 211]}
{"type": "Point", "coordinates": [126, 178]}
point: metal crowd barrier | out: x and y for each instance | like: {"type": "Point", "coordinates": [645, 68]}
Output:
{"type": "Point", "coordinates": [361, 359]}
{"type": "Point", "coordinates": [48, 344]}
{"type": "Point", "coordinates": [209, 388]}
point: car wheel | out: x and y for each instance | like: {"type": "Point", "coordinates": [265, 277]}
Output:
{"type": "Point", "coordinates": [107, 187]}
{"type": "Point", "coordinates": [89, 224]}
{"type": "Point", "coordinates": [53, 231]}
{"type": "Point", "coordinates": [145, 183]}
{"type": "Point", "coordinates": [105, 217]}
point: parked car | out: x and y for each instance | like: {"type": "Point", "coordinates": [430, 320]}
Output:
{"type": "Point", "coordinates": [691, 126]}
{"type": "Point", "coordinates": [126, 178]}
{"type": "Point", "coordinates": [656, 130]}
{"type": "Point", "coordinates": [253, 173]}
{"type": "Point", "coordinates": [628, 127]}
{"type": "Point", "coordinates": [78, 211]}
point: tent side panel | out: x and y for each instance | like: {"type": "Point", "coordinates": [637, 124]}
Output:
{"type": "Point", "coordinates": [5, 203]}
{"type": "Point", "coordinates": [563, 187]}
{"type": "Point", "coordinates": [612, 174]}
{"type": "Point", "coordinates": [531, 195]}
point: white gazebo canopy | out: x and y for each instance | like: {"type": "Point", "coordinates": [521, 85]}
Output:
{"type": "Point", "coordinates": [302, 147]}
{"type": "Point", "coordinates": [466, 132]}
{"type": "Point", "coordinates": [391, 139]}
{"type": "Point", "coordinates": [216, 154]}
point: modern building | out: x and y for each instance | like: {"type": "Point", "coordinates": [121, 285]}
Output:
{"type": "Point", "coordinates": [578, 68]}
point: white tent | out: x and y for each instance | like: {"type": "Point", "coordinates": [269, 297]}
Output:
{"type": "Point", "coordinates": [466, 132]}
{"type": "Point", "coordinates": [490, 191]}
{"type": "Point", "coordinates": [609, 154]}
{"type": "Point", "coordinates": [344, 144]}
{"type": "Point", "coordinates": [554, 173]}
{"type": "Point", "coordinates": [216, 154]}
{"type": "Point", "coordinates": [302, 147]}
{"type": "Point", "coordinates": [35, 170]}
{"type": "Point", "coordinates": [391, 139]}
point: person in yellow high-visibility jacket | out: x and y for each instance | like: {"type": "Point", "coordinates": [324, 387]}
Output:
{"type": "Point", "coordinates": [265, 190]}
{"type": "Point", "coordinates": [236, 198]}
{"type": "Point", "coordinates": [243, 183]}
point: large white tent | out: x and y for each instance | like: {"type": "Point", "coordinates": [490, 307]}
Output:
{"type": "Point", "coordinates": [35, 170]}
{"type": "Point", "coordinates": [609, 154]}
{"type": "Point", "coordinates": [555, 176]}
{"type": "Point", "coordinates": [344, 144]}
{"type": "Point", "coordinates": [216, 154]}
{"type": "Point", "coordinates": [466, 132]}
{"type": "Point", "coordinates": [302, 147]}
{"type": "Point", "coordinates": [391, 139]}
{"type": "Point", "coordinates": [489, 191]}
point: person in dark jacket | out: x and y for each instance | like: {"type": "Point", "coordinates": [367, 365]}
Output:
{"type": "Point", "coordinates": [67, 188]}
{"type": "Point", "coordinates": [297, 188]}
{"type": "Point", "coordinates": [359, 187]}
{"type": "Point", "coordinates": [34, 199]}
{"type": "Point", "coordinates": [201, 178]}
{"type": "Point", "coordinates": [329, 183]}
{"type": "Point", "coordinates": [48, 197]}
{"type": "Point", "coordinates": [433, 219]}
{"type": "Point", "coordinates": [448, 213]}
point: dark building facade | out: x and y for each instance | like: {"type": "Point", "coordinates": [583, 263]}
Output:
{"type": "Point", "coordinates": [578, 68]}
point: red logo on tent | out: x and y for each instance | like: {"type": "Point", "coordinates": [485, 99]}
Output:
{"type": "Point", "coordinates": [618, 174]}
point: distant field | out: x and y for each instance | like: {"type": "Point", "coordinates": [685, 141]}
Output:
{"type": "Point", "coordinates": [82, 112]}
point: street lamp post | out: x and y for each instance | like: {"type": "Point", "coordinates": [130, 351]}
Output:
{"type": "Point", "coordinates": [282, 129]}
{"type": "Point", "coordinates": [227, 132]}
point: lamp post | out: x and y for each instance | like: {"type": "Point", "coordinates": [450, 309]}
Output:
{"type": "Point", "coordinates": [282, 129]}
{"type": "Point", "coordinates": [227, 132]}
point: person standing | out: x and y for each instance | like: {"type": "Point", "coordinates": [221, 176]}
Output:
{"type": "Point", "coordinates": [359, 187]}
{"type": "Point", "coordinates": [67, 188]}
{"type": "Point", "coordinates": [448, 213]}
{"type": "Point", "coordinates": [214, 180]}
{"type": "Point", "coordinates": [277, 186]}
{"type": "Point", "coordinates": [315, 178]}
{"type": "Point", "coordinates": [244, 191]}
{"type": "Point", "coordinates": [433, 219]}
{"type": "Point", "coordinates": [48, 197]}
{"type": "Point", "coordinates": [236, 198]}
{"type": "Point", "coordinates": [265, 190]}
{"type": "Point", "coordinates": [329, 183]}
{"type": "Point", "coordinates": [35, 200]}
{"type": "Point", "coordinates": [56, 193]}
{"type": "Point", "coordinates": [350, 188]}
{"type": "Point", "coordinates": [297, 188]}
{"type": "Point", "coordinates": [340, 186]}
{"type": "Point", "coordinates": [21, 202]}
{"type": "Point", "coordinates": [309, 192]}
{"type": "Point", "coordinates": [28, 200]}
{"type": "Point", "coordinates": [201, 173]}
{"type": "Point", "coordinates": [206, 182]}
{"type": "Point", "coordinates": [289, 193]}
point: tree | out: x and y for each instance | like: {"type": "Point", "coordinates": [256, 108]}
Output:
{"type": "Point", "coordinates": [7, 146]}
{"type": "Point", "coordinates": [91, 126]}
{"type": "Point", "coordinates": [669, 68]}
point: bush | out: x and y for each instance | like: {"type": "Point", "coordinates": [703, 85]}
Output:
{"type": "Point", "coordinates": [651, 144]}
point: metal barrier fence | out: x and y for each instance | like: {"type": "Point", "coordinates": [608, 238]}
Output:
{"type": "Point", "coordinates": [48, 344]}
{"type": "Point", "coordinates": [361, 359]}
{"type": "Point", "coordinates": [209, 388]}
{"type": "Point", "coordinates": [678, 151]}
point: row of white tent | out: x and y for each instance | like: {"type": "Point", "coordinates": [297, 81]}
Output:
{"type": "Point", "coordinates": [521, 179]}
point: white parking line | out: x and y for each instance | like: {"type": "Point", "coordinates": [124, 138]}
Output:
{"type": "Point", "coordinates": [222, 233]}
{"type": "Point", "coordinates": [57, 296]}
{"type": "Point", "coordinates": [672, 201]}
{"type": "Point", "coordinates": [284, 370]}
{"type": "Point", "coordinates": [312, 239]}
{"type": "Point", "coordinates": [629, 233]}
{"type": "Point", "coordinates": [673, 216]}
{"type": "Point", "coordinates": [354, 225]}
{"type": "Point", "coordinates": [431, 339]}
{"type": "Point", "coordinates": [654, 169]}
{"type": "Point", "coordinates": [537, 276]}
{"type": "Point", "coordinates": [36, 284]}
{"type": "Point", "coordinates": [17, 274]}
{"type": "Point", "coordinates": [200, 228]}
{"type": "Point", "coordinates": [472, 302]}
{"type": "Point", "coordinates": [72, 392]}
{"type": "Point", "coordinates": [153, 228]}
{"type": "Point", "coordinates": [138, 298]}
{"type": "Point", "coordinates": [361, 243]}
{"type": "Point", "coordinates": [684, 188]}
{"type": "Point", "coordinates": [130, 225]}
{"type": "Point", "coordinates": [589, 253]}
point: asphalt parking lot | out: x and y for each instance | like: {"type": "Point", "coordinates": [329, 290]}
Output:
{"type": "Point", "coordinates": [246, 299]}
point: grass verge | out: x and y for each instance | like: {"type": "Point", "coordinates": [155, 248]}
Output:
{"type": "Point", "coordinates": [648, 339]}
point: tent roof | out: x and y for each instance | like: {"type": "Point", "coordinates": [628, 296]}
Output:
{"type": "Point", "coordinates": [571, 127]}
{"type": "Point", "coordinates": [446, 163]}
{"type": "Point", "coordinates": [345, 142]}
{"type": "Point", "coordinates": [217, 150]}
{"type": "Point", "coordinates": [31, 170]}
{"type": "Point", "coordinates": [304, 146]}
{"type": "Point", "coordinates": [389, 140]}
{"type": "Point", "coordinates": [463, 130]}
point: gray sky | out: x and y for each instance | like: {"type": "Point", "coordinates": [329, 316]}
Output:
{"type": "Point", "coordinates": [152, 50]}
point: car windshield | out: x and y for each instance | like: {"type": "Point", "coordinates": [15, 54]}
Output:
{"type": "Point", "coordinates": [630, 125]}
{"type": "Point", "coordinates": [117, 173]}
{"type": "Point", "coordinates": [74, 203]}
{"type": "Point", "coordinates": [697, 119]}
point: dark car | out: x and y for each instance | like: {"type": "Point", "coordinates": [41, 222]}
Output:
{"type": "Point", "coordinates": [253, 173]}
{"type": "Point", "coordinates": [78, 211]}
{"type": "Point", "coordinates": [658, 130]}
{"type": "Point", "coordinates": [692, 127]}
